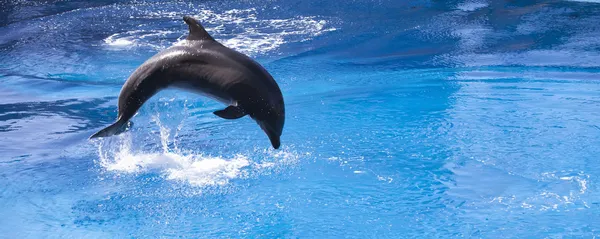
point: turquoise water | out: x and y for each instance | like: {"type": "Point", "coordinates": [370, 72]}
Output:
{"type": "Point", "coordinates": [423, 119]}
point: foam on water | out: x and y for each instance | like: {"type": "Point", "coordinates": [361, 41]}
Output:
{"type": "Point", "coordinates": [471, 6]}
{"type": "Point", "coordinates": [565, 191]}
{"type": "Point", "coordinates": [245, 31]}
{"type": "Point", "coordinates": [139, 38]}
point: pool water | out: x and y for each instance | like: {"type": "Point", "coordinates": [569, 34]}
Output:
{"type": "Point", "coordinates": [414, 119]}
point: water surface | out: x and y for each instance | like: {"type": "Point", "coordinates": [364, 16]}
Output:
{"type": "Point", "coordinates": [424, 119]}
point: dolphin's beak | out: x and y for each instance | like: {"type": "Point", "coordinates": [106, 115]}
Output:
{"type": "Point", "coordinates": [272, 134]}
{"type": "Point", "coordinates": [275, 140]}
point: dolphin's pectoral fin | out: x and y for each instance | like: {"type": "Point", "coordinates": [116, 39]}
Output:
{"type": "Point", "coordinates": [231, 112]}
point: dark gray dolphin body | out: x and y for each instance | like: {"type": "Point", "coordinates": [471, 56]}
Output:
{"type": "Point", "coordinates": [203, 65]}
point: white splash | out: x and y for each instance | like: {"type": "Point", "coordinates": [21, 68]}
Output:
{"type": "Point", "coordinates": [118, 41]}
{"type": "Point", "coordinates": [240, 29]}
{"type": "Point", "coordinates": [471, 6]}
{"type": "Point", "coordinates": [138, 38]}
{"type": "Point", "coordinates": [196, 169]}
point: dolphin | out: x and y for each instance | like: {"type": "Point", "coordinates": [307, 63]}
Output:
{"type": "Point", "coordinates": [201, 64]}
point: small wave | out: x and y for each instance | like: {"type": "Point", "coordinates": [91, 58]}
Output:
{"type": "Point", "coordinates": [529, 58]}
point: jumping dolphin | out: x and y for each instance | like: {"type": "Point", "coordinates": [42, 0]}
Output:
{"type": "Point", "coordinates": [202, 65]}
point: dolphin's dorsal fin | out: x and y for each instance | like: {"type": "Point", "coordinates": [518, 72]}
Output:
{"type": "Point", "coordinates": [197, 31]}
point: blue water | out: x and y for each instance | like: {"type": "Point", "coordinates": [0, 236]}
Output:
{"type": "Point", "coordinates": [423, 119]}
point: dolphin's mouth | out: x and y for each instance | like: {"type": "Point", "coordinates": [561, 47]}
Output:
{"type": "Point", "coordinates": [274, 137]}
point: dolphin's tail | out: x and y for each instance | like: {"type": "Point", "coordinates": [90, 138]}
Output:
{"type": "Point", "coordinates": [114, 129]}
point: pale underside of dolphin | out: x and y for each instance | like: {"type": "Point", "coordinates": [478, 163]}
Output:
{"type": "Point", "coordinates": [202, 65]}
